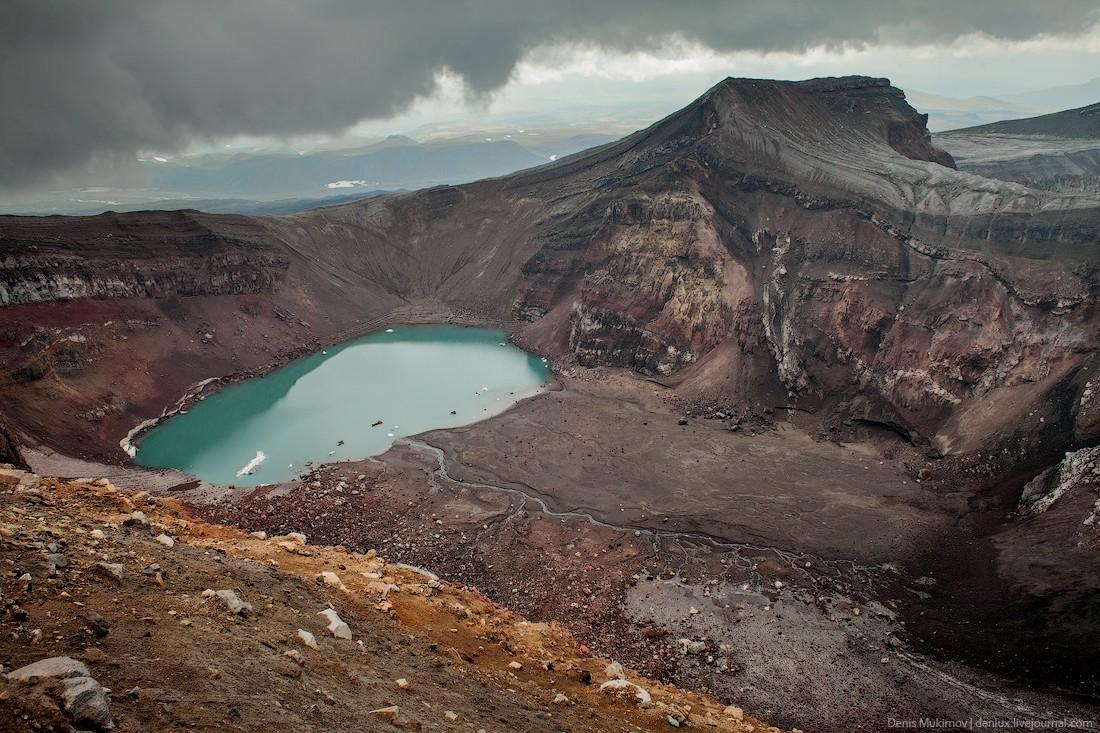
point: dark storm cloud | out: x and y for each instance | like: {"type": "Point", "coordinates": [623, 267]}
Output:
{"type": "Point", "coordinates": [85, 79]}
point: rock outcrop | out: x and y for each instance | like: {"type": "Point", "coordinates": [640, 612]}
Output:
{"type": "Point", "coordinates": [79, 696]}
{"type": "Point", "coordinates": [149, 255]}
{"type": "Point", "coordinates": [10, 452]}
{"type": "Point", "coordinates": [1078, 471]}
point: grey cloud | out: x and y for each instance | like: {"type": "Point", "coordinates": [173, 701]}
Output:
{"type": "Point", "coordinates": [83, 80]}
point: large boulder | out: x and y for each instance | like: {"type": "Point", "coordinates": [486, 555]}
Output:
{"type": "Point", "coordinates": [69, 683]}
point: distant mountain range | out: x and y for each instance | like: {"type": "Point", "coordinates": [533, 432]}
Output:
{"type": "Point", "coordinates": [1082, 123]}
{"type": "Point", "coordinates": [1066, 96]}
{"type": "Point", "coordinates": [277, 207]}
{"type": "Point", "coordinates": [950, 113]}
{"type": "Point", "coordinates": [276, 183]}
{"type": "Point", "coordinates": [400, 163]}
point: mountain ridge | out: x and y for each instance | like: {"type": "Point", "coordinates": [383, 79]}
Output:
{"type": "Point", "coordinates": [1078, 123]}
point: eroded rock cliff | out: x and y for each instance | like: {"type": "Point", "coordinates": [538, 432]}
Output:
{"type": "Point", "coordinates": [151, 255]}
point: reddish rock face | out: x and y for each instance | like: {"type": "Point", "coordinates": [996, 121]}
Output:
{"type": "Point", "coordinates": [773, 243]}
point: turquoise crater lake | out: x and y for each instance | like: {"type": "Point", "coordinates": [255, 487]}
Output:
{"type": "Point", "coordinates": [326, 407]}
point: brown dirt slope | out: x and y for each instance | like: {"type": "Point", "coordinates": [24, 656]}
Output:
{"type": "Point", "coordinates": [173, 659]}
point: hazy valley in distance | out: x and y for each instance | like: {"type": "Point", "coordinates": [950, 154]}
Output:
{"type": "Point", "coordinates": [255, 180]}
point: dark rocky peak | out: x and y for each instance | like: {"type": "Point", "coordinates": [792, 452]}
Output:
{"type": "Point", "coordinates": [841, 113]}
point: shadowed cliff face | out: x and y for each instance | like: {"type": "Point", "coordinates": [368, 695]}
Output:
{"type": "Point", "coordinates": [774, 242]}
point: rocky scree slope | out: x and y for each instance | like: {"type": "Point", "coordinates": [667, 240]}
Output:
{"type": "Point", "coordinates": [121, 611]}
{"type": "Point", "coordinates": [774, 243]}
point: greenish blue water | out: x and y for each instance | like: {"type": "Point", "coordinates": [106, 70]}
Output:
{"type": "Point", "coordinates": [410, 378]}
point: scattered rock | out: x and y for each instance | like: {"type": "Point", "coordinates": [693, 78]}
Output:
{"type": "Point", "coordinates": [735, 712]}
{"type": "Point", "coordinates": [515, 665]}
{"type": "Point", "coordinates": [97, 534]}
{"type": "Point", "coordinates": [332, 579]}
{"type": "Point", "coordinates": [450, 715]}
{"type": "Point", "coordinates": [614, 671]}
{"type": "Point", "coordinates": [166, 540]}
{"type": "Point", "coordinates": [138, 518]}
{"type": "Point", "coordinates": [57, 560]}
{"type": "Point", "coordinates": [258, 535]}
{"type": "Point", "coordinates": [307, 638]}
{"type": "Point", "coordinates": [52, 667]}
{"type": "Point", "coordinates": [674, 715]}
{"type": "Point", "coordinates": [230, 600]}
{"type": "Point", "coordinates": [112, 570]}
{"type": "Point", "coordinates": [83, 699]}
{"type": "Point", "coordinates": [624, 687]}
{"type": "Point", "coordinates": [295, 656]}
{"type": "Point", "coordinates": [99, 625]}
{"type": "Point", "coordinates": [390, 712]}
{"type": "Point", "coordinates": [402, 683]}
{"type": "Point", "coordinates": [560, 699]}
{"type": "Point", "coordinates": [336, 626]}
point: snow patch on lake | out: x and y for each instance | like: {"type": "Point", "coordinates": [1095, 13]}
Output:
{"type": "Point", "coordinates": [250, 467]}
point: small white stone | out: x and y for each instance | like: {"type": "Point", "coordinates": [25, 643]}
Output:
{"type": "Point", "coordinates": [230, 600]}
{"type": "Point", "coordinates": [307, 638]}
{"type": "Point", "coordinates": [332, 579]}
{"type": "Point", "coordinates": [336, 626]}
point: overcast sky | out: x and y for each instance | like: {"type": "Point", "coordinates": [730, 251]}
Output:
{"type": "Point", "coordinates": [92, 84]}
